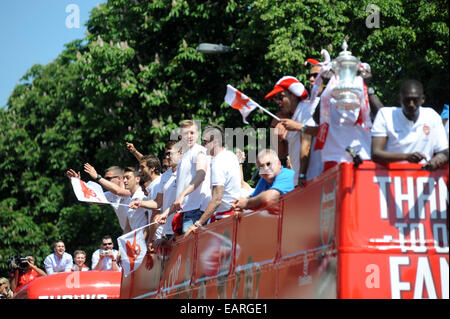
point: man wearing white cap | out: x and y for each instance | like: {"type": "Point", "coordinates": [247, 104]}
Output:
{"type": "Point", "coordinates": [289, 91]}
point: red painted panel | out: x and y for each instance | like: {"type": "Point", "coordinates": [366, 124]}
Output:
{"type": "Point", "coordinates": [73, 285]}
{"type": "Point", "coordinates": [393, 230]}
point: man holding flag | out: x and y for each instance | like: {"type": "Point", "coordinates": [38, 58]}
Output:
{"type": "Point", "coordinates": [133, 249]}
{"type": "Point", "coordinates": [113, 175]}
{"type": "Point", "coordinates": [129, 218]}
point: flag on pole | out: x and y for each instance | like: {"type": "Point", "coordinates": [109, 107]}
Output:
{"type": "Point", "coordinates": [132, 249]}
{"type": "Point", "coordinates": [88, 192]}
{"type": "Point", "coordinates": [238, 100]}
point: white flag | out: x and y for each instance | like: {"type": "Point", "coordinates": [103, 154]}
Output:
{"type": "Point", "coordinates": [88, 192]}
{"type": "Point", "coordinates": [238, 100]}
{"type": "Point", "coordinates": [132, 249]}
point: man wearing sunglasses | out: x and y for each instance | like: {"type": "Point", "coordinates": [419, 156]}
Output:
{"type": "Point", "coordinates": [225, 178]}
{"type": "Point", "coordinates": [411, 133]}
{"type": "Point", "coordinates": [291, 92]}
{"type": "Point", "coordinates": [105, 258]}
{"type": "Point", "coordinates": [113, 182]}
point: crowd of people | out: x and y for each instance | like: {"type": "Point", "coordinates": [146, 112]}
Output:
{"type": "Point", "coordinates": [24, 269]}
{"type": "Point", "coordinates": [200, 183]}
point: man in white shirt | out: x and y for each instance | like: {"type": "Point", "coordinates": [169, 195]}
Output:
{"type": "Point", "coordinates": [131, 191]}
{"type": "Point", "coordinates": [136, 217]}
{"type": "Point", "coordinates": [289, 90]}
{"type": "Point", "coordinates": [105, 258]}
{"type": "Point", "coordinates": [114, 175]}
{"type": "Point", "coordinates": [225, 178]}
{"type": "Point", "coordinates": [150, 171]}
{"type": "Point", "coordinates": [312, 158]}
{"type": "Point", "coordinates": [411, 133]}
{"type": "Point", "coordinates": [193, 181]}
{"type": "Point", "coordinates": [59, 261]}
{"type": "Point", "coordinates": [166, 194]}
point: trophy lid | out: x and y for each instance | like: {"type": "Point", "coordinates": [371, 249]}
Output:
{"type": "Point", "coordinates": [346, 55]}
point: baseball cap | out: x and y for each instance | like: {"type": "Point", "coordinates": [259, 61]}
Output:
{"type": "Point", "coordinates": [291, 84]}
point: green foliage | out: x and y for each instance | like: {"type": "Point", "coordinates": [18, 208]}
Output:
{"type": "Point", "coordinates": [137, 74]}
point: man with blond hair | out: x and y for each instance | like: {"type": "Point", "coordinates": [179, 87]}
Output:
{"type": "Point", "coordinates": [193, 180]}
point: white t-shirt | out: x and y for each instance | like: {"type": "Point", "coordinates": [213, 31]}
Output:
{"type": "Point", "coordinates": [121, 211]}
{"type": "Point", "coordinates": [206, 185]}
{"type": "Point", "coordinates": [426, 135]}
{"type": "Point", "coordinates": [152, 191]}
{"type": "Point", "coordinates": [106, 262]}
{"type": "Point", "coordinates": [301, 115]}
{"type": "Point", "coordinates": [137, 217]}
{"type": "Point", "coordinates": [168, 188]}
{"type": "Point", "coordinates": [226, 172]}
{"type": "Point", "coordinates": [343, 132]}
{"type": "Point", "coordinates": [315, 164]}
{"type": "Point", "coordinates": [185, 173]}
{"type": "Point", "coordinates": [54, 264]}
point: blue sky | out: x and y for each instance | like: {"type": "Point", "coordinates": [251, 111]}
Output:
{"type": "Point", "coordinates": [35, 31]}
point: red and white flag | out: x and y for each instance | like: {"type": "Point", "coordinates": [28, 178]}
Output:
{"type": "Point", "coordinates": [88, 192]}
{"type": "Point", "coordinates": [239, 101]}
{"type": "Point", "coordinates": [132, 247]}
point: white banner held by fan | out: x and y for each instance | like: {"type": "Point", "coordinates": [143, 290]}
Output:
{"type": "Point", "coordinates": [88, 192]}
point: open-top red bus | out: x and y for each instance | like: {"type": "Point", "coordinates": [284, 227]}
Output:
{"type": "Point", "coordinates": [368, 232]}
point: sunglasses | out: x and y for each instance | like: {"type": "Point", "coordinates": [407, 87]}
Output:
{"type": "Point", "coordinates": [264, 165]}
{"type": "Point", "coordinates": [107, 244]}
{"type": "Point", "coordinates": [314, 75]}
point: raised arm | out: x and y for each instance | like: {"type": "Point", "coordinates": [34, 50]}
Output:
{"type": "Point", "coordinates": [134, 151]}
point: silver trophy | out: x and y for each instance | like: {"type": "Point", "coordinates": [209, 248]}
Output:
{"type": "Point", "coordinates": [346, 93]}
